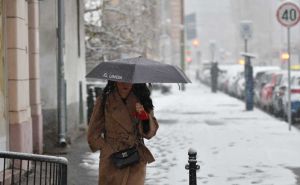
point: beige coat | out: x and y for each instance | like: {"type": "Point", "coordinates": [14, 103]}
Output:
{"type": "Point", "coordinates": [119, 135]}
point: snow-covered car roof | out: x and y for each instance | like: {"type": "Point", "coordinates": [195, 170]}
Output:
{"type": "Point", "coordinates": [257, 69]}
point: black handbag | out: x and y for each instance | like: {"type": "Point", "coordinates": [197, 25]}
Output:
{"type": "Point", "coordinates": [125, 157]}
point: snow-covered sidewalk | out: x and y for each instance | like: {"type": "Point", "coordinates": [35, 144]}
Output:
{"type": "Point", "coordinates": [234, 146]}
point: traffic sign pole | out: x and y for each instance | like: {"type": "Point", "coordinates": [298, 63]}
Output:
{"type": "Point", "coordinates": [246, 45]}
{"type": "Point", "coordinates": [289, 79]}
{"type": "Point", "coordinates": [288, 15]}
{"type": "Point", "coordinates": [246, 30]}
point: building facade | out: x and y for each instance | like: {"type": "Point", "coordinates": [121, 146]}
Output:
{"type": "Point", "coordinates": [176, 27]}
{"type": "Point", "coordinates": [28, 72]}
{"type": "Point", "coordinates": [22, 57]}
{"type": "Point", "coordinates": [20, 107]}
{"type": "Point", "coordinates": [170, 36]}
{"type": "Point", "coordinates": [3, 84]}
{"type": "Point", "coordinates": [62, 57]}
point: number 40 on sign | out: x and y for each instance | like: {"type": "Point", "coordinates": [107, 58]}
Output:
{"type": "Point", "coordinates": [288, 14]}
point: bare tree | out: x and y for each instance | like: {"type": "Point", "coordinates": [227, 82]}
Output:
{"type": "Point", "coordinates": [120, 27]}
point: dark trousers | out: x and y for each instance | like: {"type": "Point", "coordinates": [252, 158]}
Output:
{"type": "Point", "coordinates": [214, 85]}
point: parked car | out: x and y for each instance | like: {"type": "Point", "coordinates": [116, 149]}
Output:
{"type": "Point", "coordinates": [278, 93]}
{"type": "Point", "coordinates": [232, 83]}
{"type": "Point", "coordinates": [258, 80]}
{"type": "Point", "coordinates": [228, 76]}
{"type": "Point", "coordinates": [268, 85]}
{"type": "Point", "coordinates": [205, 77]}
{"type": "Point", "coordinates": [295, 95]}
{"type": "Point", "coordinates": [240, 86]}
{"type": "Point", "coordinates": [222, 80]}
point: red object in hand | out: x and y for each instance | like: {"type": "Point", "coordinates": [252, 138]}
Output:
{"type": "Point", "coordinates": [143, 115]}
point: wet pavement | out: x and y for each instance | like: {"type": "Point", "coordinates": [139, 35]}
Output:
{"type": "Point", "coordinates": [78, 175]}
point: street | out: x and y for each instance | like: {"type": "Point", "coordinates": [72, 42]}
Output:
{"type": "Point", "coordinates": [58, 56]}
{"type": "Point", "coordinates": [234, 146]}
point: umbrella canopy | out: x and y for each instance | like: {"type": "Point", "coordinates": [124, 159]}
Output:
{"type": "Point", "coordinates": [138, 70]}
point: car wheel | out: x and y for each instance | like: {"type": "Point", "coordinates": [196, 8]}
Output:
{"type": "Point", "coordinates": [293, 120]}
{"type": "Point", "coordinates": [270, 109]}
{"type": "Point", "coordinates": [285, 117]}
{"type": "Point", "coordinates": [276, 113]}
{"type": "Point", "coordinates": [280, 114]}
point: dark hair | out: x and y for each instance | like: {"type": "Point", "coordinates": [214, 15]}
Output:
{"type": "Point", "coordinates": [110, 87]}
{"type": "Point", "coordinates": [141, 91]}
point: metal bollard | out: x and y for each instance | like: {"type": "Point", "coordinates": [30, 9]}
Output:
{"type": "Point", "coordinates": [98, 91]}
{"type": "Point", "coordinates": [249, 85]}
{"type": "Point", "coordinates": [248, 82]}
{"type": "Point", "coordinates": [192, 166]}
{"type": "Point", "coordinates": [90, 103]}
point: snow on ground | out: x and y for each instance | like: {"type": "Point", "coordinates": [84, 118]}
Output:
{"type": "Point", "coordinates": [234, 146]}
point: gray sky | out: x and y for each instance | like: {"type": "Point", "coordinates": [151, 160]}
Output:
{"type": "Point", "coordinates": [220, 20]}
{"type": "Point", "coordinates": [213, 23]}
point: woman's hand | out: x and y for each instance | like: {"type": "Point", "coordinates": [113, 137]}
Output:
{"type": "Point", "coordinates": [141, 114]}
{"type": "Point", "coordinates": [139, 108]}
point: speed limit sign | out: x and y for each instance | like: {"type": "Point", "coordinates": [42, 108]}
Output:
{"type": "Point", "coordinates": [288, 14]}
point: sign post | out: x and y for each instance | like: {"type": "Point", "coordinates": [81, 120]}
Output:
{"type": "Point", "coordinates": [288, 15]}
{"type": "Point", "coordinates": [246, 34]}
{"type": "Point", "coordinates": [190, 25]}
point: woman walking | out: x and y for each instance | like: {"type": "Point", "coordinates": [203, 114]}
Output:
{"type": "Point", "coordinates": [121, 119]}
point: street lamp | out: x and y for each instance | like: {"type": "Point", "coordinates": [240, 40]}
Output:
{"type": "Point", "coordinates": [285, 56]}
{"type": "Point", "coordinates": [242, 61]}
{"type": "Point", "coordinates": [196, 43]}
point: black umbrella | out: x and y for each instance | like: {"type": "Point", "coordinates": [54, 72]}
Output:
{"type": "Point", "coordinates": [138, 70]}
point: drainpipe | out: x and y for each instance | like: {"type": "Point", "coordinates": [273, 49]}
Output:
{"type": "Point", "coordinates": [61, 99]}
